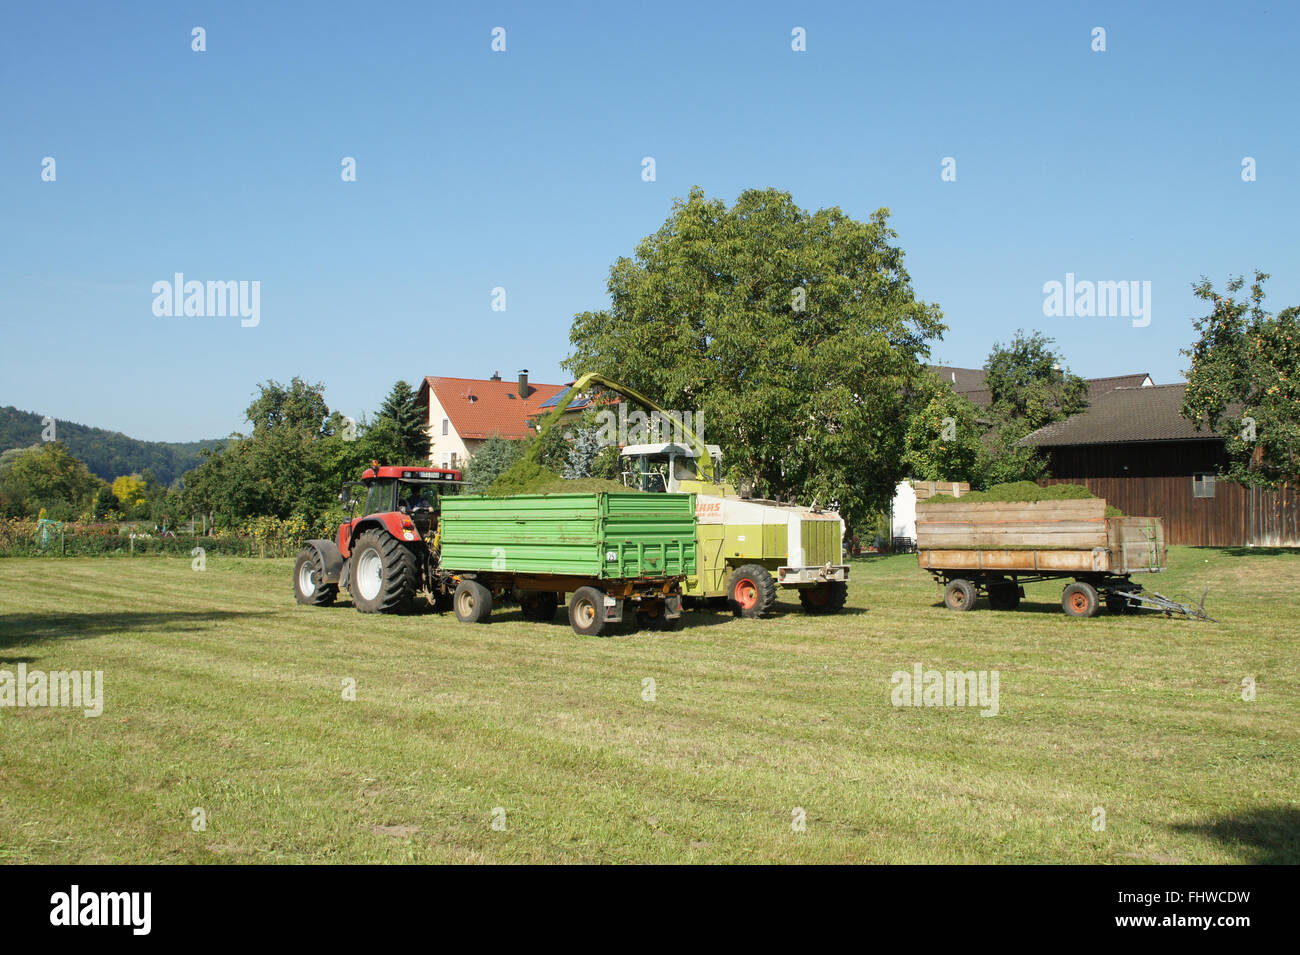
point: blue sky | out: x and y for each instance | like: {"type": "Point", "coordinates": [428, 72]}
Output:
{"type": "Point", "coordinates": [522, 170]}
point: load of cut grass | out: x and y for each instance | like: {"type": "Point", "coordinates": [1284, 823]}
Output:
{"type": "Point", "coordinates": [527, 477]}
{"type": "Point", "coordinates": [1020, 491]}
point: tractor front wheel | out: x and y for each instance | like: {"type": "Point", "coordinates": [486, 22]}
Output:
{"type": "Point", "coordinates": [308, 577]}
{"type": "Point", "coordinates": [385, 574]}
{"type": "Point", "coordinates": [751, 592]}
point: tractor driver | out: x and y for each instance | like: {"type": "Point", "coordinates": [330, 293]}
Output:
{"type": "Point", "coordinates": [416, 499]}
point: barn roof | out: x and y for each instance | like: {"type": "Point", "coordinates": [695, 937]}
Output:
{"type": "Point", "coordinates": [969, 383]}
{"type": "Point", "coordinates": [1125, 415]}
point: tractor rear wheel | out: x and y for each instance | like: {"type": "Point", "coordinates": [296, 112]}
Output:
{"type": "Point", "coordinates": [751, 592]}
{"type": "Point", "coordinates": [385, 574]}
{"type": "Point", "coordinates": [473, 602]}
{"type": "Point", "coordinates": [828, 597]}
{"type": "Point", "coordinates": [308, 574]}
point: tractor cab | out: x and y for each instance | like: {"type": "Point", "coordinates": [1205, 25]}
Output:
{"type": "Point", "coordinates": [414, 493]}
{"type": "Point", "coordinates": [670, 467]}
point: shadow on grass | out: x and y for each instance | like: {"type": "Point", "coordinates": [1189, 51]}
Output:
{"type": "Point", "coordinates": [1263, 836]}
{"type": "Point", "coordinates": [1025, 607]}
{"type": "Point", "coordinates": [25, 629]}
{"type": "Point", "coordinates": [1252, 551]}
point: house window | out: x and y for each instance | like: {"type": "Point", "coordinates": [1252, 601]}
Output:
{"type": "Point", "coordinates": [446, 426]}
{"type": "Point", "coordinates": [1203, 485]}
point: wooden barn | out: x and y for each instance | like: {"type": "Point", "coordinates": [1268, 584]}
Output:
{"type": "Point", "coordinates": [1133, 447]}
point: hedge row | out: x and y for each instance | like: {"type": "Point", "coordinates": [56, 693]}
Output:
{"type": "Point", "coordinates": [23, 538]}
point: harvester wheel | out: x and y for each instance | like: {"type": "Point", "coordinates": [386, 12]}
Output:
{"type": "Point", "coordinates": [473, 602]}
{"type": "Point", "coordinates": [307, 576]}
{"type": "Point", "coordinates": [1079, 599]}
{"type": "Point", "coordinates": [826, 597]}
{"type": "Point", "coordinates": [587, 612]}
{"type": "Point", "coordinates": [960, 595]}
{"type": "Point", "coordinates": [539, 606]}
{"type": "Point", "coordinates": [385, 574]}
{"type": "Point", "coordinates": [751, 592]}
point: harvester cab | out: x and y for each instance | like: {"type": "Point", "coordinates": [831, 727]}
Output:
{"type": "Point", "coordinates": [672, 468]}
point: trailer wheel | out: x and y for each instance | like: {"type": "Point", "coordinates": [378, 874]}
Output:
{"type": "Point", "coordinates": [307, 576]}
{"type": "Point", "coordinates": [960, 595]}
{"type": "Point", "coordinates": [472, 601]}
{"type": "Point", "coordinates": [751, 592]}
{"type": "Point", "coordinates": [824, 598]}
{"type": "Point", "coordinates": [1004, 596]}
{"type": "Point", "coordinates": [384, 574]}
{"type": "Point", "coordinates": [1079, 599]}
{"type": "Point", "coordinates": [587, 612]}
{"type": "Point", "coordinates": [539, 606]}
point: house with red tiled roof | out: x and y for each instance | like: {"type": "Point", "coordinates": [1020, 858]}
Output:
{"type": "Point", "coordinates": [465, 412]}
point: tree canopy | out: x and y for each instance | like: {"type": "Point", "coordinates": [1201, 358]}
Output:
{"type": "Point", "coordinates": [797, 334]}
{"type": "Point", "coordinates": [1029, 387]}
{"type": "Point", "coordinates": [410, 436]}
{"type": "Point", "coordinates": [1245, 381]}
{"type": "Point", "coordinates": [47, 476]}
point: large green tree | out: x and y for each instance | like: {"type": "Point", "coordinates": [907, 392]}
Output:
{"type": "Point", "coordinates": [1245, 381]}
{"type": "Point", "coordinates": [288, 466]}
{"type": "Point", "coordinates": [797, 334]}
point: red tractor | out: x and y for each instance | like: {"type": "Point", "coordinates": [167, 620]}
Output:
{"type": "Point", "coordinates": [384, 557]}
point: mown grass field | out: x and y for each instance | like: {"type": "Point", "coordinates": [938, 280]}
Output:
{"type": "Point", "coordinates": [222, 694]}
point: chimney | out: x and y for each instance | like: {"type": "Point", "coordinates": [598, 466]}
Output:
{"type": "Point", "coordinates": [496, 376]}
{"type": "Point", "coordinates": [523, 383]}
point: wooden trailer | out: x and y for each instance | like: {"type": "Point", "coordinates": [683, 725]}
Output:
{"type": "Point", "coordinates": [994, 548]}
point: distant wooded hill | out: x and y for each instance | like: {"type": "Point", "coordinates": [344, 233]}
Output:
{"type": "Point", "coordinates": [108, 454]}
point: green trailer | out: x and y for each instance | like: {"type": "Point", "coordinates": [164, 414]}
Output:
{"type": "Point", "coordinates": [605, 550]}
